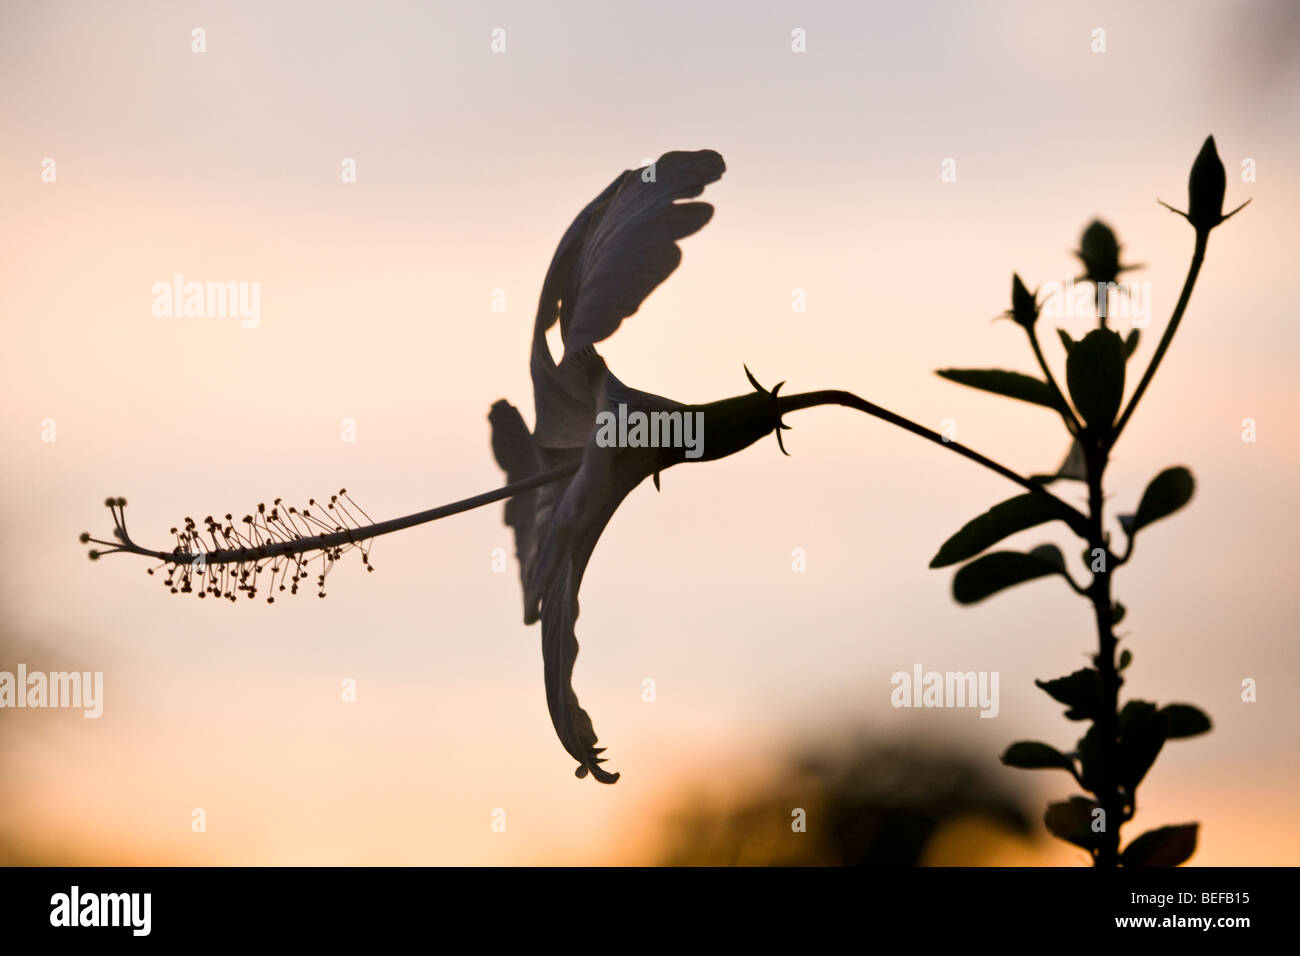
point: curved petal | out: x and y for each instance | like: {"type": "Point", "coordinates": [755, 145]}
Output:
{"type": "Point", "coordinates": [559, 653]}
{"type": "Point", "coordinates": [615, 253]}
{"type": "Point", "coordinates": [520, 458]}
{"type": "Point", "coordinates": [632, 247]}
{"type": "Point", "coordinates": [605, 478]}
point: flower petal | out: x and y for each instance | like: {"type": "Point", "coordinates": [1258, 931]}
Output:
{"type": "Point", "coordinates": [615, 253]}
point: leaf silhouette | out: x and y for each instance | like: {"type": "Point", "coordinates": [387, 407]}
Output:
{"type": "Point", "coordinates": [1184, 720]}
{"type": "Point", "coordinates": [1000, 521]}
{"type": "Point", "coordinates": [1071, 820]}
{"type": "Point", "coordinates": [1093, 758]}
{"type": "Point", "coordinates": [1167, 492]}
{"type": "Point", "coordinates": [1000, 382]}
{"type": "Point", "coordinates": [995, 572]}
{"type": "Point", "coordinates": [1033, 755]}
{"type": "Point", "coordinates": [1167, 846]}
{"type": "Point", "coordinates": [1080, 691]}
{"type": "Point", "coordinates": [1141, 735]}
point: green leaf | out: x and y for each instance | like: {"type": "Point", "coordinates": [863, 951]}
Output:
{"type": "Point", "coordinates": [1011, 384]}
{"type": "Point", "coordinates": [1032, 755]}
{"type": "Point", "coordinates": [1167, 846]}
{"type": "Point", "coordinates": [1080, 691]}
{"type": "Point", "coordinates": [1141, 735]}
{"type": "Point", "coordinates": [1125, 659]}
{"type": "Point", "coordinates": [1117, 612]}
{"type": "Point", "coordinates": [1131, 343]}
{"type": "Point", "coordinates": [1065, 340]}
{"type": "Point", "coordinates": [1168, 491]}
{"type": "Point", "coordinates": [1184, 720]}
{"type": "Point", "coordinates": [1000, 521]}
{"type": "Point", "coordinates": [1094, 373]}
{"type": "Point", "coordinates": [1072, 822]}
{"type": "Point", "coordinates": [995, 572]}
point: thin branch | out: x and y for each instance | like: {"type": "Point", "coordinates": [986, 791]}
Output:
{"type": "Point", "coordinates": [1067, 413]}
{"type": "Point", "coordinates": [1074, 518]}
{"type": "Point", "coordinates": [1198, 257]}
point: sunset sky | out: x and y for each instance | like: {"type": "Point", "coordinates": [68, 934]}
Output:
{"type": "Point", "coordinates": [376, 306]}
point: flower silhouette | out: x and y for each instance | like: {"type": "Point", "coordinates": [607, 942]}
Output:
{"type": "Point", "coordinates": [566, 477]}
{"type": "Point", "coordinates": [618, 250]}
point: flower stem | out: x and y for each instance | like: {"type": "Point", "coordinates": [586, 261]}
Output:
{"type": "Point", "coordinates": [1067, 413]}
{"type": "Point", "coordinates": [335, 539]}
{"type": "Point", "coordinates": [1198, 257]}
{"type": "Point", "coordinates": [1075, 519]}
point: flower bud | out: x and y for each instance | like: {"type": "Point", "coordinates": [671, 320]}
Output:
{"type": "Point", "coordinates": [1205, 188]}
{"type": "Point", "coordinates": [1024, 310]}
{"type": "Point", "coordinates": [1099, 250]}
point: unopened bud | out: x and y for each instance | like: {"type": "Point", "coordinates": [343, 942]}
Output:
{"type": "Point", "coordinates": [1205, 190]}
{"type": "Point", "coordinates": [1099, 250]}
{"type": "Point", "coordinates": [1024, 310]}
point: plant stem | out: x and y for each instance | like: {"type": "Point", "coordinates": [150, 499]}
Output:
{"type": "Point", "coordinates": [1067, 413]}
{"type": "Point", "coordinates": [1108, 720]}
{"type": "Point", "coordinates": [787, 403]}
{"type": "Point", "coordinates": [1076, 520]}
{"type": "Point", "coordinates": [1198, 257]}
